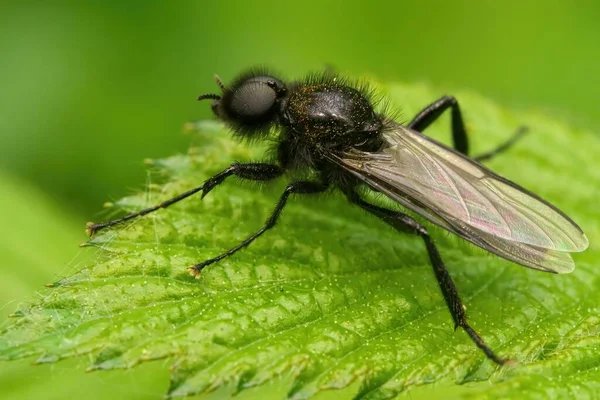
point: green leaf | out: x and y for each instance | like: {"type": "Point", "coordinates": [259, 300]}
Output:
{"type": "Point", "coordinates": [331, 298]}
{"type": "Point", "coordinates": [38, 239]}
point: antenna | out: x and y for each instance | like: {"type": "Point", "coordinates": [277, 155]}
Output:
{"type": "Point", "coordinates": [220, 83]}
{"type": "Point", "coordinates": [210, 96]}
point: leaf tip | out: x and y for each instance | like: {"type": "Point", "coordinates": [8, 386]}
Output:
{"type": "Point", "coordinates": [46, 358]}
{"type": "Point", "coordinates": [189, 127]}
{"type": "Point", "coordinates": [16, 314]}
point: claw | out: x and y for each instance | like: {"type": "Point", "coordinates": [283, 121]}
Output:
{"type": "Point", "coordinates": [89, 229]}
{"type": "Point", "coordinates": [195, 272]}
{"type": "Point", "coordinates": [509, 362]}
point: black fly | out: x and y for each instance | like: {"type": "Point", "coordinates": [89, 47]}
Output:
{"type": "Point", "coordinates": [329, 129]}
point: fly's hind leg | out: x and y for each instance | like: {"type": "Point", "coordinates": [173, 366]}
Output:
{"type": "Point", "coordinates": [432, 112]}
{"type": "Point", "coordinates": [460, 139]}
{"type": "Point", "coordinates": [522, 130]}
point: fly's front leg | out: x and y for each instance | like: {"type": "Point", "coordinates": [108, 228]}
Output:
{"type": "Point", "coordinates": [253, 172]}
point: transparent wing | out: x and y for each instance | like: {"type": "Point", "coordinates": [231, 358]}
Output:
{"type": "Point", "coordinates": [466, 198]}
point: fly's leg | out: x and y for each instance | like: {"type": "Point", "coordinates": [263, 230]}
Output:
{"type": "Point", "coordinates": [406, 224]}
{"type": "Point", "coordinates": [433, 111]}
{"type": "Point", "coordinates": [301, 187]}
{"type": "Point", "coordinates": [460, 139]}
{"type": "Point", "coordinates": [254, 172]}
{"type": "Point", "coordinates": [522, 130]}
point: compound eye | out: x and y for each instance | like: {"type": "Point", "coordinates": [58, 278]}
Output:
{"type": "Point", "coordinates": [255, 98]}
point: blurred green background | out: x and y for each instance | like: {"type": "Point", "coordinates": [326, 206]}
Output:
{"type": "Point", "coordinates": [91, 88]}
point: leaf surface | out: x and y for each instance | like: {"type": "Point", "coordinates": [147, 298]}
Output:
{"type": "Point", "coordinates": [331, 297]}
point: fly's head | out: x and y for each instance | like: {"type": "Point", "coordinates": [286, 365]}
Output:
{"type": "Point", "coordinates": [250, 106]}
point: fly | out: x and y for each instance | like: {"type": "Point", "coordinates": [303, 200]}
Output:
{"type": "Point", "coordinates": [328, 128]}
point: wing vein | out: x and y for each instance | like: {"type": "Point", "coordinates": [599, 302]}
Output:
{"type": "Point", "coordinates": [465, 198]}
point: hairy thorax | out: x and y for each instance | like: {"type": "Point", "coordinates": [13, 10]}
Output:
{"type": "Point", "coordinates": [330, 116]}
